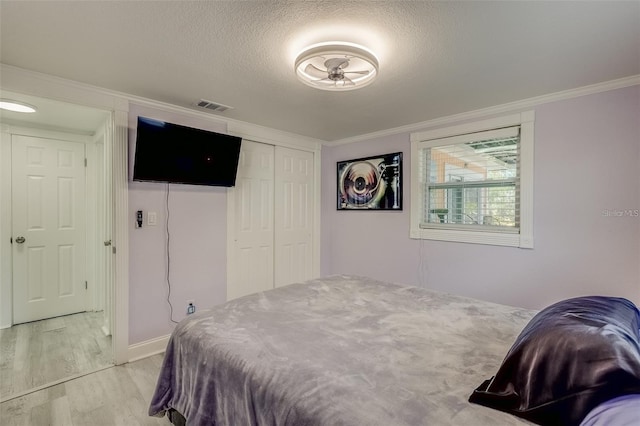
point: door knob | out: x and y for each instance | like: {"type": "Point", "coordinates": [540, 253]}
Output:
{"type": "Point", "coordinates": [20, 240]}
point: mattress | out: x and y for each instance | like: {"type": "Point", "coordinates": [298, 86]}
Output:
{"type": "Point", "coordinates": [341, 350]}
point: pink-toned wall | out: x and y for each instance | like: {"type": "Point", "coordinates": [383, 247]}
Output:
{"type": "Point", "coordinates": [198, 242]}
{"type": "Point", "coordinates": [587, 162]}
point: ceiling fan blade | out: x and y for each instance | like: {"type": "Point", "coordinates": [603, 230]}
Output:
{"type": "Point", "coordinates": [329, 82]}
{"type": "Point", "coordinates": [326, 80]}
{"type": "Point", "coordinates": [348, 82]}
{"type": "Point", "coordinates": [315, 72]}
{"type": "Point", "coordinates": [364, 72]}
{"type": "Point", "coordinates": [336, 63]}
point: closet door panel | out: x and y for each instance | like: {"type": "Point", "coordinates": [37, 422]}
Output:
{"type": "Point", "coordinates": [251, 263]}
{"type": "Point", "coordinates": [294, 195]}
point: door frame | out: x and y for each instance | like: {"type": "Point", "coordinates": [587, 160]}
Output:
{"type": "Point", "coordinates": [19, 80]}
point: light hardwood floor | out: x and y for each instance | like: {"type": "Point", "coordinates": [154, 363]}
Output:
{"type": "Point", "coordinates": [118, 396]}
{"type": "Point", "coordinates": [38, 353]}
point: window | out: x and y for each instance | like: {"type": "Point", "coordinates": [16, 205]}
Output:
{"type": "Point", "coordinates": [474, 182]}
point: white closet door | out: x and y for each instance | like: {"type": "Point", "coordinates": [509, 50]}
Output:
{"type": "Point", "coordinates": [251, 263]}
{"type": "Point", "coordinates": [294, 195]}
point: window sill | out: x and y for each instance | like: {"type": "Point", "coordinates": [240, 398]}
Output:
{"type": "Point", "coordinates": [474, 237]}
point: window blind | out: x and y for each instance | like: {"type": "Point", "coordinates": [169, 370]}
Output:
{"type": "Point", "coordinates": [471, 181]}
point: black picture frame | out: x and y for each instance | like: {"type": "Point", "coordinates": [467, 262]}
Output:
{"type": "Point", "coordinates": [370, 183]}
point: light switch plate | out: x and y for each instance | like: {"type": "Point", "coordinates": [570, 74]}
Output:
{"type": "Point", "coordinates": [152, 218]}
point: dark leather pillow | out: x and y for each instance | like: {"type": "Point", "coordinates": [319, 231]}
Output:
{"type": "Point", "coordinates": [572, 356]}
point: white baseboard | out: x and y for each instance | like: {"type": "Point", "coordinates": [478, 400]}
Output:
{"type": "Point", "coordinates": [148, 348]}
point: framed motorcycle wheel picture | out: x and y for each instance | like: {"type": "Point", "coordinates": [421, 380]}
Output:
{"type": "Point", "coordinates": [372, 183]}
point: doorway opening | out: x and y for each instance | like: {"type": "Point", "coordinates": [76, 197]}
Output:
{"type": "Point", "coordinates": [56, 291]}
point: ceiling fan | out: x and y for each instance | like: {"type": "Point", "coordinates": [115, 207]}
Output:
{"type": "Point", "coordinates": [335, 71]}
{"type": "Point", "coordinates": [336, 66]}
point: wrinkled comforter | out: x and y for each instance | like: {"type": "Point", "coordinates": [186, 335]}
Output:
{"type": "Point", "coordinates": [337, 351]}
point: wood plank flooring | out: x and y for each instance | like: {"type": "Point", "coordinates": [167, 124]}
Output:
{"type": "Point", "coordinates": [118, 396]}
{"type": "Point", "coordinates": [38, 353]}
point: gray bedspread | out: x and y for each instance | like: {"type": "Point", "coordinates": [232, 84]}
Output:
{"type": "Point", "coordinates": [338, 351]}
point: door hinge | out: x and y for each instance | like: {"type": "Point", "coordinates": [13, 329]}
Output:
{"type": "Point", "coordinates": [85, 162]}
{"type": "Point", "coordinates": [85, 285]}
{"type": "Point", "coordinates": [11, 240]}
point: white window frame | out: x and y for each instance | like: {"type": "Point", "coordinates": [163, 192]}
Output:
{"type": "Point", "coordinates": [421, 140]}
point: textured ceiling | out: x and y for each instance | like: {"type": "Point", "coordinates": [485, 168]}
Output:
{"type": "Point", "coordinates": [436, 58]}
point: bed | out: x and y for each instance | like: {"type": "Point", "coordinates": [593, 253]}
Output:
{"type": "Point", "coordinates": [341, 350]}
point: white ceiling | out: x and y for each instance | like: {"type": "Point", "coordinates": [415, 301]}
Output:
{"type": "Point", "coordinates": [436, 58]}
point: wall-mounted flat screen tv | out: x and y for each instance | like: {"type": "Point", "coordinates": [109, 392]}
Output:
{"type": "Point", "coordinates": [167, 152]}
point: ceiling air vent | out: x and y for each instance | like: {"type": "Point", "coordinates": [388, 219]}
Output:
{"type": "Point", "coordinates": [212, 106]}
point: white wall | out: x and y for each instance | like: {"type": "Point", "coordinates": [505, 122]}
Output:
{"type": "Point", "coordinates": [197, 242]}
{"type": "Point", "coordinates": [587, 160]}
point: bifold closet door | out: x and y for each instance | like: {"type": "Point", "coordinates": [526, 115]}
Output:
{"type": "Point", "coordinates": [271, 219]}
{"type": "Point", "coordinates": [294, 196]}
{"type": "Point", "coordinates": [251, 258]}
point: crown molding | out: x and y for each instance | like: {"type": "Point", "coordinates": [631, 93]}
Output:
{"type": "Point", "coordinates": [498, 109]}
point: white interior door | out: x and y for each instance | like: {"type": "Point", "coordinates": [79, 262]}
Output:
{"type": "Point", "coordinates": [48, 228]}
{"type": "Point", "coordinates": [251, 265]}
{"type": "Point", "coordinates": [294, 196]}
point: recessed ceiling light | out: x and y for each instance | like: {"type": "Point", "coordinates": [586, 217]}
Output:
{"type": "Point", "coordinates": [16, 106]}
{"type": "Point", "coordinates": [336, 66]}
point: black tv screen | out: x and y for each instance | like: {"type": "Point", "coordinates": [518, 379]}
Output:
{"type": "Point", "coordinates": [167, 152]}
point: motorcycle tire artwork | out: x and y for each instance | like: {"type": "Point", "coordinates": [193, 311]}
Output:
{"type": "Point", "coordinates": [372, 183]}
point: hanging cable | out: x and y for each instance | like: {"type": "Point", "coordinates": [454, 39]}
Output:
{"type": "Point", "coordinates": [168, 259]}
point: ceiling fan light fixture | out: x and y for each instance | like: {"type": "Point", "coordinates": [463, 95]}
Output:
{"type": "Point", "coordinates": [336, 66]}
{"type": "Point", "coordinates": [15, 106]}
